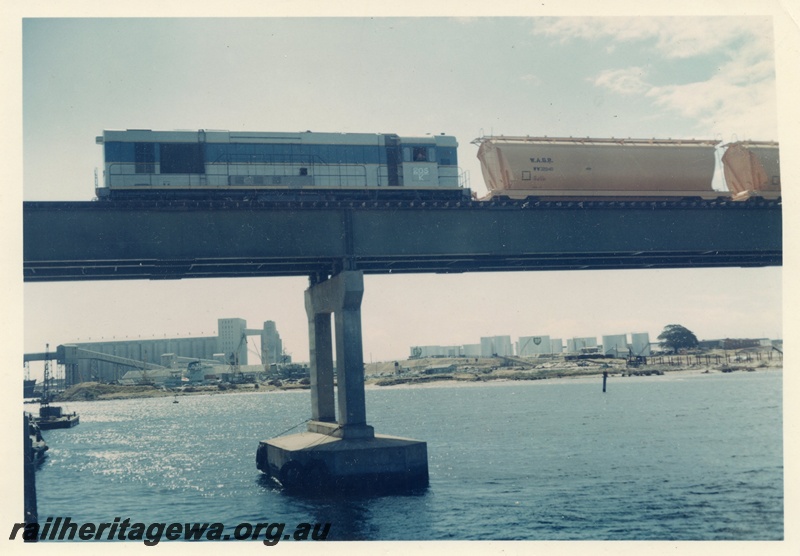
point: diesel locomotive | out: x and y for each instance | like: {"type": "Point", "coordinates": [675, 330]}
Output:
{"type": "Point", "coordinates": [140, 164]}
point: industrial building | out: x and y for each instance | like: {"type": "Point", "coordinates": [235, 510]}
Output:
{"type": "Point", "coordinates": [614, 345]}
{"type": "Point", "coordinates": [229, 346]}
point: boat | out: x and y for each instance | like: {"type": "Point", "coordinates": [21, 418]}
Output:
{"type": "Point", "coordinates": [28, 388]}
{"type": "Point", "coordinates": [52, 416]}
{"type": "Point", "coordinates": [38, 445]}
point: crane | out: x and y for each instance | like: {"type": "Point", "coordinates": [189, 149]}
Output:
{"type": "Point", "coordinates": [236, 374]}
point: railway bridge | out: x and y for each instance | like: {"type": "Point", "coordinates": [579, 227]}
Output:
{"type": "Point", "coordinates": [336, 243]}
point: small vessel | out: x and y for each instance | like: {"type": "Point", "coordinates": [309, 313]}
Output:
{"type": "Point", "coordinates": [52, 416]}
{"type": "Point", "coordinates": [38, 445]}
{"type": "Point", "coordinates": [29, 386]}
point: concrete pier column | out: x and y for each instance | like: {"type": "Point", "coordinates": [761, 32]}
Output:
{"type": "Point", "coordinates": [350, 368]}
{"type": "Point", "coordinates": [341, 296]}
{"type": "Point", "coordinates": [350, 357]}
{"type": "Point", "coordinates": [323, 407]}
{"type": "Point", "coordinates": [343, 454]}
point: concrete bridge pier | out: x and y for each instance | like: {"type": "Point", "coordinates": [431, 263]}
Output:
{"type": "Point", "coordinates": [340, 451]}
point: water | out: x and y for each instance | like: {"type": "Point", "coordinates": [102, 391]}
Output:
{"type": "Point", "coordinates": [678, 457]}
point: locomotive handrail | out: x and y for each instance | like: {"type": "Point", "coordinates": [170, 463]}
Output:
{"type": "Point", "coordinates": [146, 177]}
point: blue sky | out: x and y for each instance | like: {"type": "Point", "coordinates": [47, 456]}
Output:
{"type": "Point", "coordinates": [701, 77]}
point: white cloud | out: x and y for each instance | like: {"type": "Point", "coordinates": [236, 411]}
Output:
{"type": "Point", "coordinates": [739, 98]}
{"type": "Point", "coordinates": [624, 81]}
{"type": "Point", "coordinates": [720, 105]}
{"type": "Point", "coordinates": [674, 37]}
{"type": "Point", "coordinates": [531, 79]}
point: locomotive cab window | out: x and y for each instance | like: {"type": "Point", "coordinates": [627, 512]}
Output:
{"type": "Point", "coordinates": [418, 154]}
{"type": "Point", "coordinates": [182, 158]}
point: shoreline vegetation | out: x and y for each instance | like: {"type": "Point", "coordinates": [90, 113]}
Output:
{"type": "Point", "coordinates": [436, 371]}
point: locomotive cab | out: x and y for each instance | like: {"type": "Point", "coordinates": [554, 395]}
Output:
{"type": "Point", "coordinates": [428, 162]}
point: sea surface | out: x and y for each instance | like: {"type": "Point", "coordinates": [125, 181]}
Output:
{"type": "Point", "coordinates": [675, 457]}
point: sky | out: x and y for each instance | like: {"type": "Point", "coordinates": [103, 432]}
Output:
{"type": "Point", "coordinates": [692, 76]}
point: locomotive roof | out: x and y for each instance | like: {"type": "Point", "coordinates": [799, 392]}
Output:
{"type": "Point", "coordinates": [212, 136]}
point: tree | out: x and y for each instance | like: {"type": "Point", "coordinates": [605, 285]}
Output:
{"type": "Point", "coordinates": [675, 337]}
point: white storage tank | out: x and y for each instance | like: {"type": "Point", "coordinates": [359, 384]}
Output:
{"type": "Point", "coordinates": [577, 345]}
{"type": "Point", "coordinates": [496, 345]}
{"type": "Point", "coordinates": [471, 350]}
{"type": "Point", "coordinates": [640, 344]}
{"type": "Point", "coordinates": [615, 345]}
{"type": "Point", "coordinates": [533, 345]}
{"type": "Point", "coordinates": [427, 351]}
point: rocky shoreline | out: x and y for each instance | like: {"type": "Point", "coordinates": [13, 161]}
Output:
{"type": "Point", "coordinates": [95, 391]}
{"type": "Point", "coordinates": [415, 373]}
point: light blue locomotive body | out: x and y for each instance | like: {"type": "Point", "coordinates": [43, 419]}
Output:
{"type": "Point", "coordinates": [208, 164]}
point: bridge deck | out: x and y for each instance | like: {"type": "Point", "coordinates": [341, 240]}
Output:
{"type": "Point", "coordinates": [150, 240]}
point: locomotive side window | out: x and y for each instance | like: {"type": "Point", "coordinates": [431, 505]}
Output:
{"type": "Point", "coordinates": [294, 154]}
{"type": "Point", "coordinates": [447, 156]}
{"type": "Point", "coordinates": [182, 158]}
{"type": "Point", "coordinates": [144, 157]}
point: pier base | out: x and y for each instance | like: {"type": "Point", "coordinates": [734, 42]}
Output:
{"type": "Point", "coordinates": [340, 451]}
{"type": "Point", "coordinates": [316, 463]}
